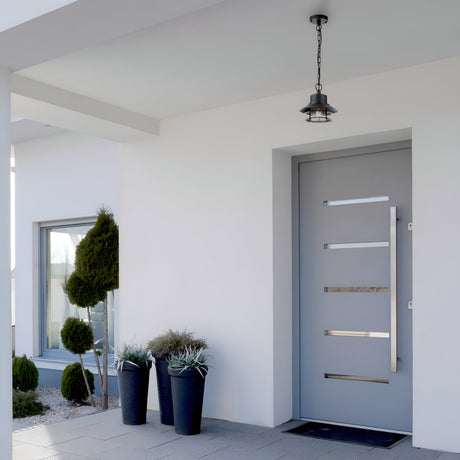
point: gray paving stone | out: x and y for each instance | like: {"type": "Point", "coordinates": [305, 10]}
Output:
{"type": "Point", "coordinates": [66, 457]}
{"type": "Point", "coordinates": [43, 436]}
{"type": "Point", "coordinates": [294, 447]}
{"type": "Point", "coordinates": [104, 430]}
{"type": "Point", "coordinates": [192, 446]}
{"type": "Point", "coordinates": [242, 453]}
{"type": "Point", "coordinates": [24, 451]}
{"type": "Point", "coordinates": [146, 439]}
{"type": "Point", "coordinates": [103, 436]}
{"type": "Point", "coordinates": [449, 456]}
{"type": "Point", "coordinates": [85, 446]}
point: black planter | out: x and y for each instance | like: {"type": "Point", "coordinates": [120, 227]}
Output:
{"type": "Point", "coordinates": [187, 395]}
{"type": "Point", "coordinates": [164, 391]}
{"type": "Point", "coordinates": [133, 387]}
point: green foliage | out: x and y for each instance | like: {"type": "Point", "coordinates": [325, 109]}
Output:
{"type": "Point", "coordinates": [132, 354]}
{"type": "Point", "coordinates": [96, 257]}
{"type": "Point", "coordinates": [73, 385]}
{"type": "Point", "coordinates": [25, 374]}
{"type": "Point", "coordinates": [173, 342]}
{"type": "Point", "coordinates": [190, 358]}
{"type": "Point", "coordinates": [83, 293]}
{"type": "Point", "coordinates": [25, 404]}
{"type": "Point", "coordinates": [77, 336]}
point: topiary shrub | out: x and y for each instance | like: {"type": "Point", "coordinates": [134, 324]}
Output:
{"type": "Point", "coordinates": [77, 336]}
{"type": "Point", "coordinates": [25, 404]}
{"type": "Point", "coordinates": [73, 386]}
{"type": "Point", "coordinates": [25, 374]}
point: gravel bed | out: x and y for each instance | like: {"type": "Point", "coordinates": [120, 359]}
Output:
{"type": "Point", "coordinates": [60, 408]}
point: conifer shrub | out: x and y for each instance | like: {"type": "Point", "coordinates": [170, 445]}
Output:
{"type": "Point", "coordinates": [82, 292]}
{"type": "Point", "coordinates": [73, 385]}
{"type": "Point", "coordinates": [25, 404]}
{"type": "Point", "coordinates": [77, 336]}
{"type": "Point", "coordinates": [25, 374]}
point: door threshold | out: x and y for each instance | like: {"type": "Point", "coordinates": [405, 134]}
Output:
{"type": "Point", "coordinates": [408, 433]}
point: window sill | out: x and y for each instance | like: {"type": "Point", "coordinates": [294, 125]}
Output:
{"type": "Point", "coordinates": [60, 364]}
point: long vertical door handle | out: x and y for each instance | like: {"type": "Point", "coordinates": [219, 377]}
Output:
{"type": "Point", "coordinates": [393, 299]}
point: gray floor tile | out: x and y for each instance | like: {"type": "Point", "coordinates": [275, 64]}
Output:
{"type": "Point", "coordinates": [23, 451]}
{"type": "Point", "coordinates": [146, 439]}
{"type": "Point", "coordinates": [449, 456]}
{"type": "Point", "coordinates": [66, 457]}
{"type": "Point", "coordinates": [241, 453]}
{"type": "Point", "coordinates": [104, 430]}
{"type": "Point", "coordinates": [85, 446]}
{"type": "Point", "coordinates": [295, 447]}
{"type": "Point", "coordinates": [192, 446]}
{"type": "Point", "coordinates": [43, 436]}
{"type": "Point", "coordinates": [103, 436]}
{"type": "Point", "coordinates": [128, 452]}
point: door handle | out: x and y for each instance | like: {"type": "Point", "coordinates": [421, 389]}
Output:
{"type": "Point", "coordinates": [393, 298]}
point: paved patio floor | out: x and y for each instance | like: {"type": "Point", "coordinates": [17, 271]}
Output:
{"type": "Point", "coordinates": [103, 436]}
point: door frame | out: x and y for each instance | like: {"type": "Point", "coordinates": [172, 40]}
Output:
{"type": "Point", "coordinates": [296, 162]}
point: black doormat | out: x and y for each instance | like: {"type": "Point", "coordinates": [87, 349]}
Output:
{"type": "Point", "coordinates": [348, 434]}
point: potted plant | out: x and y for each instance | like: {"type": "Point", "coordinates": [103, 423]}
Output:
{"type": "Point", "coordinates": [133, 370]}
{"type": "Point", "coordinates": [162, 347]}
{"type": "Point", "coordinates": [187, 370]}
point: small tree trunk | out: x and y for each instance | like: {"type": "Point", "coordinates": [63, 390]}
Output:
{"type": "Point", "coordinates": [105, 395]}
{"type": "Point", "coordinates": [86, 382]}
{"type": "Point", "coordinates": [96, 356]}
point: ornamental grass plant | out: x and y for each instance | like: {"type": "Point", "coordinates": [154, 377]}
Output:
{"type": "Point", "coordinates": [133, 354]}
{"type": "Point", "coordinates": [174, 341]}
{"type": "Point", "coordinates": [190, 358]}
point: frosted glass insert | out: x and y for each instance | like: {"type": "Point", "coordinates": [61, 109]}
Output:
{"type": "Point", "coordinates": [371, 199]}
{"type": "Point", "coordinates": [371, 244]}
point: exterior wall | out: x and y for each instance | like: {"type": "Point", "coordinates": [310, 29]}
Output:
{"type": "Point", "coordinates": [205, 233]}
{"type": "Point", "coordinates": [60, 177]}
{"type": "Point", "coordinates": [205, 244]}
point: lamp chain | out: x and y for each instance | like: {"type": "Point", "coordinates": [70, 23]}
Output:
{"type": "Point", "coordinates": [318, 85]}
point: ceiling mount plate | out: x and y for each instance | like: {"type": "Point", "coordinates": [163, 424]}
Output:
{"type": "Point", "coordinates": [318, 19]}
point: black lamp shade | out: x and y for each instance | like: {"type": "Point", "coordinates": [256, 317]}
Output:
{"type": "Point", "coordinates": [318, 110]}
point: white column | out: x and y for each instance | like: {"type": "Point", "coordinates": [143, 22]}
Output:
{"type": "Point", "coordinates": [5, 267]}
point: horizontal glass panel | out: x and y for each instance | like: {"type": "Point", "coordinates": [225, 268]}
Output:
{"type": "Point", "coordinates": [370, 244]}
{"type": "Point", "coordinates": [371, 199]}
{"type": "Point", "coordinates": [356, 289]}
{"type": "Point", "coordinates": [356, 377]}
{"type": "Point", "coordinates": [380, 335]}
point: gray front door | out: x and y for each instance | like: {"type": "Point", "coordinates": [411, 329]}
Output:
{"type": "Point", "coordinates": [355, 283]}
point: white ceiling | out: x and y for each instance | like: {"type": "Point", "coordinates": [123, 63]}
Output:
{"type": "Point", "coordinates": [19, 11]}
{"type": "Point", "coordinates": [162, 63]}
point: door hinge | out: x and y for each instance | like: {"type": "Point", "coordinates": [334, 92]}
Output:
{"type": "Point", "coordinates": [410, 226]}
{"type": "Point", "coordinates": [410, 305]}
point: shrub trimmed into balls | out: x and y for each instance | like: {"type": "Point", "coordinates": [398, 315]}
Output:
{"type": "Point", "coordinates": [77, 336]}
{"type": "Point", "coordinates": [25, 374]}
{"type": "Point", "coordinates": [73, 385]}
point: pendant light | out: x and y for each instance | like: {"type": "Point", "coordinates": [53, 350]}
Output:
{"type": "Point", "coordinates": [318, 110]}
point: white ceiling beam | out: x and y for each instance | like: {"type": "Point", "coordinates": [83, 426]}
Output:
{"type": "Point", "coordinates": [85, 23]}
{"type": "Point", "coordinates": [64, 109]}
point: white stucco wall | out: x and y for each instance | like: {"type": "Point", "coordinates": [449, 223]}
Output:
{"type": "Point", "coordinates": [65, 176]}
{"type": "Point", "coordinates": [202, 246]}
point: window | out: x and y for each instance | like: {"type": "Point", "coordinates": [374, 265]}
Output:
{"type": "Point", "coordinates": [57, 262]}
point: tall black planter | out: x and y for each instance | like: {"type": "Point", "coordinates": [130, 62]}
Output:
{"type": "Point", "coordinates": [133, 387]}
{"type": "Point", "coordinates": [164, 391]}
{"type": "Point", "coordinates": [187, 395]}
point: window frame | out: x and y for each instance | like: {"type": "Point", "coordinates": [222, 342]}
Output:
{"type": "Point", "coordinates": [56, 355]}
